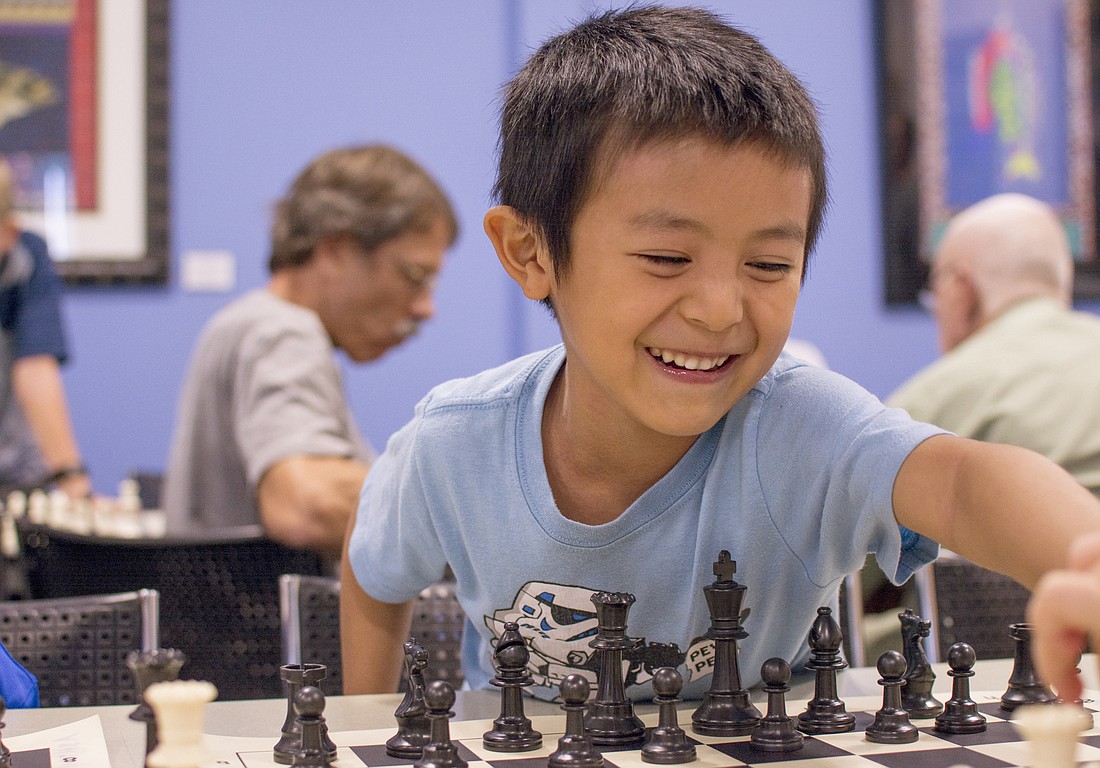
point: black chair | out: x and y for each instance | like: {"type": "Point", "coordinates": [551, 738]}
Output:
{"type": "Point", "coordinates": [968, 603]}
{"type": "Point", "coordinates": [77, 646]}
{"type": "Point", "coordinates": [219, 595]}
{"type": "Point", "coordinates": [310, 610]}
{"type": "Point", "coordinates": [850, 619]}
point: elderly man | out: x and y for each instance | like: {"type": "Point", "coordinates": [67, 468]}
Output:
{"type": "Point", "coordinates": [1019, 365]}
{"type": "Point", "coordinates": [263, 432]}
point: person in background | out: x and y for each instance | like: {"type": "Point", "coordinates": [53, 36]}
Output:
{"type": "Point", "coordinates": [1019, 365]}
{"type": "Point", "coordinates": [38, 448]}
{"type": "Point", "coordinates": [263, 432]}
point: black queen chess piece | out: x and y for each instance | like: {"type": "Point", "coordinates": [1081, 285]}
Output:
{"type": "Point", "coordinates": [825, 712]}
{"type": "Point", "coordinates": [511, 731]}
{"type": "Point", "coordinates": [296, 677]}
{"type": "Point", "coordinates": [1024, 685]}
{"type": "Point", "coordinates": [610, 719]}
{"type": "Point", "coordinates": [413, 727]}
{"type": "Point", "coordinates": [726, 709]}
{"type": "Point", "coordinates": [916, 696]}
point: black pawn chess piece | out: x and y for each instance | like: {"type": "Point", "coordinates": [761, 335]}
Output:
{"type": "Point", "coordinates": [1024, 685]}
{"type": "Point", "coordinates": [5, 753]}
{"type": "Point", "coordinates": [960, 713]}
{"type": "Point", "coordinates": [440, 751]}
{"type": "Point", "coordinates": [413, 728]}
{"type": "Point", "coordinates": [825, 712]}
{"type": "Point", "coordinates": [916, 696]}
{"type": "Point", "coordinates": [891, 725]}
{"type": "Point", "coordinates": [296, 676]}
{"type": "Point", "coordinates": [667, 744]}
{"type": "Point", "coordinates": [575, 749]}
{"type": "Point", "coordinates": [511, 731]}
{"type": "Point", "coordinates": [610, 718]}
{"type": "Point", "coordinates": [726, 709]}
{"type": "Point", "coordinates": [776, 732]}
{"type": "Point", "coordinates": [309, 704]}
{"type": "Point", "coordinates": [148, 667]}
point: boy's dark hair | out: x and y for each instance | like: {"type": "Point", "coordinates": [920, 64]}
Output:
{"type": "Point", "coordinates": [371, 193]}
{"type": "Point", "coordinates": [627, 77]}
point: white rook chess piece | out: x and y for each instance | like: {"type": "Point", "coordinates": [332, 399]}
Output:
{"type": "Point", "coordinates": [179, 707]}
{"type": "Point", "coordinates": [1051, 730]}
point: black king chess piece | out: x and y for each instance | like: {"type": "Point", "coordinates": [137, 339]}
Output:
{"type": "Point", "coordinates": [916, 696]}
{"type": "Point", "coordinates": [891, 725]}
{"type": "Point", "coordinates": [610, 718]}
{"type": "Point", "coordinates": [667, 744]}
{"type": "Point", "coordinates": [825, 712]}
{"type": "Point", "coordinates": [960, 713]}
{"type": "Point", "coordinates": [413, 728]}
{"type": "Point", "coordinates": [512, 731]}
{"type": "Point", "coordinates": [296, 677]}
{"type": "Point", "coordinates": [1024, 685]}
{"type": "Point", "coordinates": [148, 667]}
{"type": "Point", "coordinates": [726, 709]}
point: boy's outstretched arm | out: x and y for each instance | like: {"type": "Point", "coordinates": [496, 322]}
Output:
{"type": "Point", "coordinates": [372, 634]}
{"type": "Point", "coordinates": [1003, 507]}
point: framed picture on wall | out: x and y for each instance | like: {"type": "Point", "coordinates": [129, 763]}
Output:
{"type": "Point", "coordinates": [84, 125]}
{"type": "Point", "coordinates": [980, 98]}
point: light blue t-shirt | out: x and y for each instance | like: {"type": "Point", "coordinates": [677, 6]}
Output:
{"type": "Point", "coordinates": [795, 481]}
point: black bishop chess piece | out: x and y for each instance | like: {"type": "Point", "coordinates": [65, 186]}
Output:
{"type": "Point", "coordinates": [312, 751]}
{"type": "Point", "coordinates": [157, 666]}
{"type": "Point", "coordinates": [295, 677]}
{"type": "Point", "coordinates": [511, 731]}
{"type": "Point", "coordinates": [825, 712]}
{"type": "Point", "coordinates": [575, 749]}
{"type": "Point", "coordinates": [610, 718]}
{"type": "Point", "coordinates": [916, 696]}
{"type": "Point", "coordinates": [891, 725]}
{"type": "Point", "coordinates": [776, 731]}
{"type": "Point", "coordinates": [960, 713]}
{"type": "Point", "coordinates": [440, 751]}
{"type": "Point", "coordinates": [413, 728]}
{"type": "Point", "coordinates": [1024, 685]}
{"type": "Point", "coordinates": [726, 709]}
{"type": "Point", "coordinates": [667, 744]}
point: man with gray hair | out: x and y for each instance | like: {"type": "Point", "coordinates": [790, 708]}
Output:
{"type": "Point", "coordinates": [263, 432]}
{"type": "Point", "coordinates": [1019, 365]}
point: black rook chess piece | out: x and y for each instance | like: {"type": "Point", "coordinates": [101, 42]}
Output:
{"type": "Point", "coordinates": [574, 750]}
{"type": "Point", "coordinates": [148, 667]}
{"type": "Point", "coordinates": [776, 732]}
{"type": "Point", "coordinates": [440, 752]}
{"type": "Point", "coordinates": [726, 709]}
{"type": "Point", "coordinates": [297, 676]}
{"type": "Point", "coordinates": [312, 751]}
{"type": "Point", "coordinates": [916, 696]}
{"type": "Point", "coordinates": [891, 725]}
{"type": "Point", "coordinates": [413, 728]}
{"type": "Point", "coordinates": [610, 719]}
{"type": "Point", "coordinates": [667, 744]}
{"type": "Point", "coordinates": [825, 712]}
{"type": "Point", "coordinates": [960, 713]}
{"type": "Point", "coordinates": [512, 731]}
{"type": "Point", "coordinates": [1024, 685]}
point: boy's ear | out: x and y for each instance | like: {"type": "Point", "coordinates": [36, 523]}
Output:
{"type": "Point", "coordinates": [521, 251]}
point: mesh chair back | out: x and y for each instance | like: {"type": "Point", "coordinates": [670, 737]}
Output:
{"type": "Point", "coordinates": [310, 609]}
{"type": "Point", "coordinates": [219, 596]}
{"type": "Point", "coordinates": [77, 646]}
{"type": "Point", "coordinates": [968, 603]}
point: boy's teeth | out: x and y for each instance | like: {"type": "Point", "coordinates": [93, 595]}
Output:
{"type": "Point", "coordinates": [685, 361]}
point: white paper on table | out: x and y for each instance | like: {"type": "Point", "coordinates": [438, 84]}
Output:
{"type": "Point", "coordinates": [74, 745]}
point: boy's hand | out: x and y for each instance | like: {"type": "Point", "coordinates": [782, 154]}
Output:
{"type": "Point", "coordinates": [1065, 614]}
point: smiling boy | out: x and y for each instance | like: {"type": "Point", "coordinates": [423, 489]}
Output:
{"type": "Point", "coordinates": [661, 184]}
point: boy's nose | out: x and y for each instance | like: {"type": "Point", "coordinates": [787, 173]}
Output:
{"type": "Point", "coordinates": [716, 303]}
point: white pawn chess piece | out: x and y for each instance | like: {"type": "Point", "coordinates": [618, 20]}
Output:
{"type": "Point", "coordinates": [60, 510]}
{"type": "Point", "coordinates": [179, 707]}
{"type": "Point", "coordinates": [17, 504]}
{"type": "Point", "coordinates": [1051, 731]}
{"type": "Point", "coordinates": [38, 507]}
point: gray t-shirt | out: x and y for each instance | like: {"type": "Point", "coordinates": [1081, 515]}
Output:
{"type": "Point", "coordinates": [263, 386]}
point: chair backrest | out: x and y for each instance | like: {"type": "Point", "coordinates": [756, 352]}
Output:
{"type": "Point", "coordinates": [310, 611]}
{"type": "Point", "coordinates": [77, 646]}
{"type": "Point", "coordinates": [850, 619]}
{"type": "Point", "coordinates": [971, 604]}
{"type": "Point", "coordinates": [219, 595]}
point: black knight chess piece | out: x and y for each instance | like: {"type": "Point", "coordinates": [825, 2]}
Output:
{"type": "Point", "coordinates": [776, 732]}
{"type": "Point", "coordinates": [297, 676]}
{"type": "Point", "coordinates": [667, 744]}
{"type": "Point", "coordinates": [726, 709]}
{"type": "Point", "coordinates": [825, 712]}
{"type": "Point", "coordinates": [891, 725]}
{"type": "Point", "coordinates": [916, 696]}
{"type": "Point", "coordinates": [1024, 685]}
{"type": "Point", "coordinates": [512, 731]}
{"type": "Point", "coordinates": [413, 727]}
{"type": "Point", "coordinates": [574, 750]}
{"type": "Point", "coordinates": [440, 752]}
{"type": "Point", "coordinates": [610, 718]}
{"type": "Point", "coordinates": [960, 713]}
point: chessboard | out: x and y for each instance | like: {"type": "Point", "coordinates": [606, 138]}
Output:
{"type": "Point", "coordinates": [999, 745]}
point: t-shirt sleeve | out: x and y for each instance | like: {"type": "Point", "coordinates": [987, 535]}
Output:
{"type": "Point", "coordinates": [39, 329]}
{"type": "Point", "coordinates": [288, 400]}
